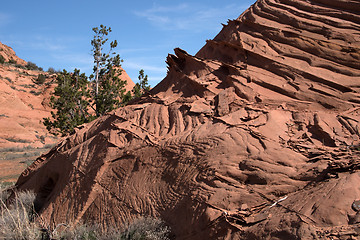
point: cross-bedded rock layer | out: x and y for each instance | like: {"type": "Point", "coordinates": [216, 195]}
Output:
{"type": "Point", "coordinates": [257, 136]}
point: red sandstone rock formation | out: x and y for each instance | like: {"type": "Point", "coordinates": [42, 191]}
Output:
{"type": "Point", "coordinates": [23, 103]}
{"type": "Point", "coordinates": [129, 82]}
{"type": "Point", "coordinates": [255, 137]}
{"type": "Point", "coordinates": [9, 54]}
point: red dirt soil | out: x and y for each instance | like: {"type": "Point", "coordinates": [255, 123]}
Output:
{"type": "Point", "coordinates": [254, 137]}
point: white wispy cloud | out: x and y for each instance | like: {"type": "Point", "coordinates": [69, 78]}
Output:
{"type": "Point", "coordinates": [137, 65]}
{"type": "Point", "coordinates": [158, 14]}
{"type": "Point", "coordinates": [134, 50]}
{"type": "Point", "coordinates": [168, 9]}
{"type": "Point", "coordinates": [5, 19]}
{"type": "Point", "coordinates": [51, 51]}
{"type": "Point", "coordinates": [41, 44]}
{"type": "Point", "coordinates": [189, 17]}
{"type": "Point", "coordinates": [155, 79]}
{"type": "Point", "coordinates": [37, 42]}
{"type": "Point", "coordinates": [156, 70]}
{"type": "Point", "coordinates": [73, 58]}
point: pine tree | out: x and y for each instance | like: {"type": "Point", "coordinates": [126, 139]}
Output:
{"type": "Point", "coordinates": [109, 89]}
{"type": "Point", "coordinates": [127, 98]}
{"type": "Point", "coordinates": [71, 102]}
{"type": "Point", "coordinates": [78, 100]}
{"type": "Point", "coordinates": [142, 86]}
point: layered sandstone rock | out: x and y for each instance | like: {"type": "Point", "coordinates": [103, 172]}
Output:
{"type": "Point", "coordinates": [257, 136]}
{"type": "Point", "coordinates": [129, 82]}
{"type": "Point", "coordinates": [23, 103]}
{"type": "Point", "coordinates": [9, 54]}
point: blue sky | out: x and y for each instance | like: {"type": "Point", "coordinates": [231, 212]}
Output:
{"type": "Point", "coordinates": [58, 33]}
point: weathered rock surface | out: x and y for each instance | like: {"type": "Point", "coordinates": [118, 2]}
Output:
{"type": "Point", "coordinates": [255, 137]}
{"type": "Point", "coordinates": [23, 103]}
{"type": "Point", "coordinates": [129, 82]}
{"type": "Point", "coordinates": [9, 54]}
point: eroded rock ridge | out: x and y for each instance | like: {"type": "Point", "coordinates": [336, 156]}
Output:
{"type": "Point", "coordinates": [254, 137]}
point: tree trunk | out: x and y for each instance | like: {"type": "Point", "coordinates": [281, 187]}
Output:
{"type": "Point", "coordinates": [97, 81]}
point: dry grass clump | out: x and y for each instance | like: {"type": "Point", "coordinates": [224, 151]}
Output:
{"type": "Point", "coordinates": [17, 221]}
{"type": "Point", "coordinates": [16, 218]}
{"type": "Point", "coordinates": [140, 229]}
{"type": "Point", "coordinates": [146, 228]}
{"type": "Point", "coordinates": [81, 231]}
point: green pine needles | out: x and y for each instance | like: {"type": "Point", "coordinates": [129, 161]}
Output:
{"type": "Point", "coordinates": [142, 86]}
{"type": "Point", "coordinates": [80, 99]}
{"type": "Point", "coordinates": [109, 89]}
{"type": "Point", "coordinates": [71, 102]}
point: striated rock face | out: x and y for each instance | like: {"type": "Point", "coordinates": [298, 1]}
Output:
{"type": "Point", "coordinates": [255, 137]}
{"type": "Point", "coordinates": [23, 103]}
{"type": "Point", "coordinates": [129, 82]}
{"type": "Point", "coordinates": [9, 54]}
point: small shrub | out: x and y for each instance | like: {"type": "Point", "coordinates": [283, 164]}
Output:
{"type": "Point", "coordinates": [81, 231]}
{"type": "Point", "coordinates": [9, 80]}
{"type": "Point", "coordinates": [40, 79]}
{"type": "Point", "coordinates": [12, 156]}
{"type": "Point", "coordinates": [48, 146]}
{"type": "Point", "coordinates": [16, 149]}
{"type": "Point", "coordinates": [41, 138]}
{"type": "Point", "coordinates": [2, 59]}
{"type": "Point", "coordinates": [35, 93]}
{"type": "Point", "coordinates": [17, 140]}
{"type": "Point", "coordinates": [146, 228]}
{"type": "Point", "coordinates": [51, 70]}
{"type": "Point", "coordinates": [19, 66]}
{"type": "Point", "coordinates": [355, 147]}
{"type": "Point", "coordinates": [12, 61]}
{"type": "Point", "coordinates": [32, 66]}
{"type": "Point", "coordinates": [24, 73]}
{"type": "Point", "coordinates": [27, 162]}
{"type": "Point", "coordinates": [28, 85]}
